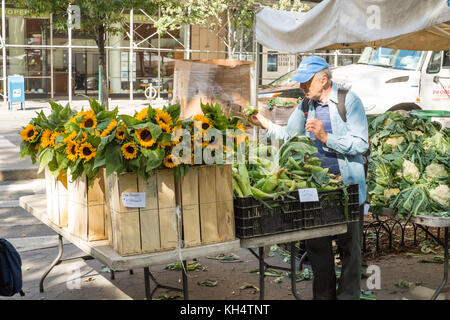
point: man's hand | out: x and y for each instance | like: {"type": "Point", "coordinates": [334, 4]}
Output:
{"type": "Point", "coordinates": [315, 126]}
{"type": "Point", "coordinates": [260, 121]}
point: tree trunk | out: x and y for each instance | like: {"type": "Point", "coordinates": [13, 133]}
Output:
{"type": "Point", "coordinates": [102, 62]}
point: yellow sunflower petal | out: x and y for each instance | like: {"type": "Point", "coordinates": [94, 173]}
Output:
{"type": "Point", "coordinates": [29, 133]}
{"type": "Point", "coordinates": [86, 151]}
{"type": "Point", "coordinates": [129, 150]}
{"type": "Point", "coordinates": [145, 137]}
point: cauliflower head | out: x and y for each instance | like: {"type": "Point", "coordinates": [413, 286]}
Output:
{"type": "Point", "coordinates": [435, 170]}
{"type": "Point", "coordinates": [410, 170]}
{"type": "Point", "coordinates": [441, 194]}
{"type": "Point", "coordinates": [395, 141]}
{"type": "Point", "coordinates": [390, 192]}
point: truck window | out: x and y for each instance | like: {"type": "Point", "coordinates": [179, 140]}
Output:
{"type": "Point", "coordinates": [434, 66]}
{"type": "Point", "coordinates": [446, 60]}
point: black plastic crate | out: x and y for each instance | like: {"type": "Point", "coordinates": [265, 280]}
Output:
{"type": "Point", "coordinates": [330, 209]}
{"type": "Point", "coordinates": [258, 218]}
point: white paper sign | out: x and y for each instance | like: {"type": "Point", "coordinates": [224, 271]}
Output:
{"type": "Point", "coordinates": [366, 208]}
{"type": "Point", "coordinates": [17, 93]}
{"type": "Point", "coordinates": [133, 199]}
{"type": "Point", "coordinates": [308, 195]}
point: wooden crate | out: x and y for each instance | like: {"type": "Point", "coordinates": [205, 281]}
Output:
{"type": "Point", "coordinates": [88, 212]}
{"type": "Point", "coordinates": [207, 203]}
{"type": "Point", "coordinates": [57, 198]}
{"type": "Point", "coordinates": [143, 230]}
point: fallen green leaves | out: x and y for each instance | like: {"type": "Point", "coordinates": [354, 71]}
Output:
{"type": "Point", "coordinates": [225, 258]}
{"type": "Point", "coordinates": [208, 283]}
{"type": "Point", "coordinates": [403, 284]}
{"type": "Point", "coordinates": [247, 285]}
{"type": "Point", "coordinates": [191, 266]}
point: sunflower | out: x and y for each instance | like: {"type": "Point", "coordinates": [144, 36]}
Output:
{"type": "Point", "coordinates": [45, 138]}
{"type": "Point", "coordinates": [205, 122]}
{"type": "Point", "coordinates": [164, 120]}
{"type": "Point", "coordinates": [83, 139]}
{"type": "Point", "coordinates": [29, 133]}
{"type": "Point", "coordinates": [72, 150]}
{"type": "Point", "coordinates": [129, 150]}
{"type": "Point", "coordinates": [109, 128]}
{"type": "Point", "coordinates": [89, 120]}
{"type": "Point", "coordinates": [142, 114]}
{"type": "Point", "coordinates": [145, 137]}
{"type": "Point", "coordinates": [70, 137]}
{"type": "Point", "coordinates": [185, 158]}
{"type": "Point", "coordinates": [198, 141]}
{"type": "Point", "coordinates": [213, 144]}
{"type": "Point", "coordinates": [240, 127]}
{"type": "Point", "coordinates": [52, 139]}
{"type": "Point", "coordinates": [86, 151]}
{"type": "Point", "coordinates": [120, 133]}
{"type": "Point", "coordinates": [171, 161]}
{"type": "Point", "coordinates": [164, 144]}
{"type": "Point", "coordinates": [177, 132]}
{"type": "Point", "coordinates": [74, 118]}
{"type": "Point", "coordinates": [240, 138]}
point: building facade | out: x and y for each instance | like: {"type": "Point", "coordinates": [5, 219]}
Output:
{"type": "Point", "coordinates": [40, 53]}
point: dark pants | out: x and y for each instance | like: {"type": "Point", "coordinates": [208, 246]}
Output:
{"type": "Point", "coordinates": [320, 254]}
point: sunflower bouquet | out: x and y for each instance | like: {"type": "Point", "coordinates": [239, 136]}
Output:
{"type": "Point", "coordinates": [41, 138]}
{"type": "Point", "coordinates": [85, 141]}
{"type": "Point", "coordinates": [139, 143]}
{"type": "Point", "coordinates": [83, 136]}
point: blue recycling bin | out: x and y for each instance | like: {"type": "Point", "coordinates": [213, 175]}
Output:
{"type": "Point", "coordinates": [16, 91]}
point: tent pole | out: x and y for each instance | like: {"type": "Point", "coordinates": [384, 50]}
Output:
{"type": "Point", "coordinates": [254, 89]}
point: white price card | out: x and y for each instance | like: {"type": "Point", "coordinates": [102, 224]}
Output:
{"type": "Point", "coordinates": [133, 199]}
{"type": "Point", "coordinates": [308, 195]}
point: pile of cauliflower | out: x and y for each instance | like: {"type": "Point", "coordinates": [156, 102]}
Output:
{"type": "Point", "coordinates": [409, 166]}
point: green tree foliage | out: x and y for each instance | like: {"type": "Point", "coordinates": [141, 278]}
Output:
{"type": "Point", "coordinates": [98, 18]}
{"type": "Point", "coordinates": [230, 20]}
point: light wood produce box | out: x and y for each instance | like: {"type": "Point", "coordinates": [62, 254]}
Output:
{"type": "Point", "coordinates": [88, 212]}
{"type": "Point", "coordinates": [143, 230]}
{"type": "Point", "coordinates": [207, 202]}
{"type": "Point", "coordinates": [57, 198]}
{"type": "Point", "coordinates": [204, 194]}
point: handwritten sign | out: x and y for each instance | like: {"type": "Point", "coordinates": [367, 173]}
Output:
{"type": "Point", "coordinates": [133, 199]}
{"type": "Point", "coordinates": [308, 195]}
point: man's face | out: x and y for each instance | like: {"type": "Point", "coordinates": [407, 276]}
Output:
{"type": "Point", "coordinates": [314, 87]}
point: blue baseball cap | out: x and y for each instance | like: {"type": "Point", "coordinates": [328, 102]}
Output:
{"type": "Point", "coordinates": [309, 67]}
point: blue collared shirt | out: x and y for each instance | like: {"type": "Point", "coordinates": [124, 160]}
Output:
{"type": "Point", "coordinates": [348, 139]}
{"type": "Point", "coordinates": [329, 159]}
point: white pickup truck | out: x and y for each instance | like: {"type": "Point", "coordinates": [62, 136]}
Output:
{"type": "Point", "coordinates": [389, 79]}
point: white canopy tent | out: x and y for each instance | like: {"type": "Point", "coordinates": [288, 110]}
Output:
{"type": "Point", "coordinates": [343, 24]}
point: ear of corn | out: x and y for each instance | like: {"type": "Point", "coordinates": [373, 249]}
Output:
{"type": "Point", "coordinates": [291, 167]}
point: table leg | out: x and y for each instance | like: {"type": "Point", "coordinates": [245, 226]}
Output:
{"type": "Point", "coordinates": [444, 281]}
{"type": "Point", "coordinates": [185, 281]}
{"type": "Point", "coordinates": [262, 272]}
{"type": "Point", "coordinates": [148, 295]}
{"type": "Point", "coordinates": [54, 263]}
{"type": "Point", "coordinates": [293, 273]}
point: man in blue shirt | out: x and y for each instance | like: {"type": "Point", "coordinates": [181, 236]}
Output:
{"type": "Point", "coordinates": [341, 145]}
